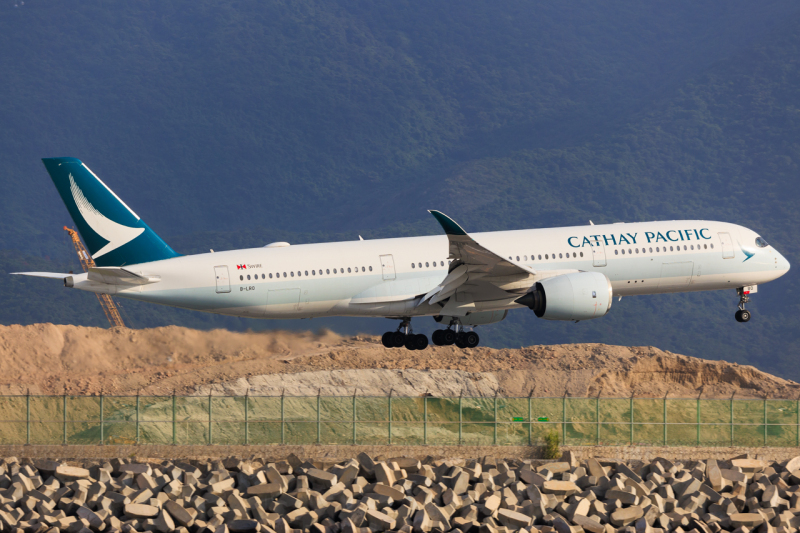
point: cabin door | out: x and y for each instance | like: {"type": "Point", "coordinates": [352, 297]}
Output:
{"type": "Point", "coordinates": [598, 254]}
{"type": "Point", "coordinates": [387, 267]}
{"type": "Point", "coordinates": [223, 279]}
{"type": "Point", "coordinates": [727, 245]}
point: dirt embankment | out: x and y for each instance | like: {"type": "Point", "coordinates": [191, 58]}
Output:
{"type": "Point", "coordinates": [47, 358]}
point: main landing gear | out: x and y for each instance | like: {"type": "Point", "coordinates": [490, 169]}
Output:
{"type": "Point", "coordinates": [742, 315]}
{"type": "Point", "coordinates": [454, 334]}
{"type": "Point", "coordinates": [404, 337]}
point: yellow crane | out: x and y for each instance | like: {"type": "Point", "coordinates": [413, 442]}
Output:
{"type": "Point", "coordinates": [109, 308]}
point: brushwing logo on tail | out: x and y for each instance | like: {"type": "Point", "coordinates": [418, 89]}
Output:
{"type": "Point", "coordinates": [116, 234]}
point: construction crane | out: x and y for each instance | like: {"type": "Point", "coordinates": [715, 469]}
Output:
{"type": "Point", "coordinates": [109, 308]}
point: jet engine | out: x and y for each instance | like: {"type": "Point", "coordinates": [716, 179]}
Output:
{"type": "Point", "coordinates": [479, 318]}
{"type": "Point", "coordinates": [576, 296]}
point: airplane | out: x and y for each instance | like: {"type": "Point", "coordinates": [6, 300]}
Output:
{"type": "Point", "coordinates": [461, 279]}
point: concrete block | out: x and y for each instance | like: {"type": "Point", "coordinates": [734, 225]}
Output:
{"type": "Point", "coordinates": [321, 479]}
{"type": "Point", "coordinates": [513, 520]}
{"type": "Point", "coordinates": [749, 466]}
{"type": "Point", "coordinates": [164, 523]}
{"type": "Point", "coordinates": [626, 516]}
{"type": "Point", "coordinates": [70, 473]}
{"type": "Point", "coordinates": [750, 520]}
{"type": "Point", "coordinates": [244, 526]}
{"type": "Point", "coordinates": [561, 488]}
{"type": "Point", "coordinates": [139, 510]}
{"type": "Point", "coordinates": [384, 474]}
{"type": "Point", "coordinates": [179, 514]}
{"type": "Point", "coordinates": [379, 521]}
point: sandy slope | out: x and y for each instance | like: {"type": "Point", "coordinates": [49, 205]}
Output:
{"type": "Point", "coordinates": [49, 358]}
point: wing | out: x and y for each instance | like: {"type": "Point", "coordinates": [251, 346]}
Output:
{"type": "Point", "coordinates": [486, 273]}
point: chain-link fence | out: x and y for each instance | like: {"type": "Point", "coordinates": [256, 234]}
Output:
{"type": "Point", "coordinates": [235, 420]}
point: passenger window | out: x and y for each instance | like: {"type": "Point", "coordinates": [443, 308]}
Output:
{"type": "Point", "coordinates": [348, 270]}
{"type": "Point", "coordinates": [441, 263]}
{"type": "Point", "coordinates": [560, 256]}
{"type": "Point", "coordinates": [427, 264]}
{"type": "Point", "coordinates": [684, 247]}
{"type": "Point", "coordinates": [270, 275]}
{"type": "Point", "coordinates": [540, 257]}
{"type": "Point", "coordinates": [413, 265]}
{"type": "Point", "coordinates": [623, 251]}
{"type": "Point", "coordinates": [334, 271]}
{"type": "Point", "coordinates": [546, 256]}
{"type": "Point", "coordinates": [616, 252]}
{"type": "Point", "coordinates": [670, 248]}
{"type": "Point", "coordinates": [712, 245]}
{"type": "Point", "coordinates": [370, 269]}
{"type": "Point", "coordinates": [656, 248]}
{"type": "Point", "coordinates": [705, 247]}
{"type": "Point", "coordinates": [692, 246]}
{"type": "Point", "coordinates": [363, 269]}
{"type": "Point", "coordinates": [517, 258]}
{"type": "Point", "coordinates": [306, 272]}
{"type": "Point", "coordinates": [525, 257]}
{"type": "Point", "coordinates": [637, 250]}
{"type": "Point", "coordinates": [581, 254]}
{"type": "Point", "coordinates": [248, 277]}
{"type": "Point", "coordinates": [328, 270]}
{"type": "Point", "coordinates": [651, 250]}
{"type": "Point", "coordinates": [292, 273]}
{"type": "Point", "coordinates": [241, 278]}
{"type": "Point", "coordinates": [419, 265]}
{"type": "Point", "coordinates": [574, 255]}
{"type": "Point", "coordinates": [630, 251]}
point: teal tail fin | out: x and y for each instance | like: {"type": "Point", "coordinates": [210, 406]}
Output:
{"type": "Point", "coordinates": [113, 233]}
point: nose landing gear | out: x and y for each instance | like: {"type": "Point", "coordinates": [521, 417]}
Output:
{"type": "Point", "coordinates": [404, 336]}
{"type": "Point", "coordinates": [743, 315]}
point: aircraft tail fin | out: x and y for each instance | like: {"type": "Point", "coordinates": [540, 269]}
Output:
{"type": "Point", "coordinates": [113, 233]}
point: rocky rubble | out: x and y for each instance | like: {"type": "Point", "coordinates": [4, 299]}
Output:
{"type": "Point", "coordinates": [367, 495]}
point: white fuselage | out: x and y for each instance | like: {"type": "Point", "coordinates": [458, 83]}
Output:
{"type": "Point", "coordinates": [382, 277]}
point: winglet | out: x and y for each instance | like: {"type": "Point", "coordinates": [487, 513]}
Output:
{"type": "Point", "coordinates": [449, 225]}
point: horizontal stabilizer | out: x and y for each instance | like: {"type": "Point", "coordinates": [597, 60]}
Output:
{"type": "Point", "coordinates": [51, 275]}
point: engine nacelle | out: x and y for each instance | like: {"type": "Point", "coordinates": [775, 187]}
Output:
{"type": "Point", "coordinates": [576, 296]}
{"type": "Point", "coordinates": [476, 319]}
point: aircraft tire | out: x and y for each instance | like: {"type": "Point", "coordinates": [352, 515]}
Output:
{"type": "Point", "coordinates": [411, 342]}
{"type": "Point", "coordinates": [420, 342]}
{"type": "Point", "coordinates": [398, 339]}
{"type": "Point", "coordinates": [386, 340]}
{"type": "Point", "coordinates": [448, 337]}
{"type": "Point", "coordinates": [460, 341]}
{"type": "Point", "coordinates": [471, 339]}
{"type": "Point", "coordinates": [436, 337]}
{"type": "Point", "coordinates": [743, 315]}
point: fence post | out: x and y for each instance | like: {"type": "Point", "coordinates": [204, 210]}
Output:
{"type": "Point", "coordinates": [665, 418]}
{"type": "Point", "coordinates": [64, 410]}
{"type": "Point", "coordinates": [28, 418]}
{"type": "Point", "coordinates": [247, 417]}
{"type": "Point", "coordinates": [530, 418]}
{"type": "Point", "coordinates": [765, 420]}
{"type": "Point", "coordinates": [631, 406]}
{"type": "Point", "coordinates": [174, 420]}
{"type": "Point", "coordinates": [698, 416]}
{"type": "Point", "coordinates": [495, 416]}
{"type": "Point", "coordinates": [564, 417]}
{"type": "Point", "coordinates": [210, 434]}
{"type": "Point", "coordinates": [597, 419]}
{"type": "Point", "coordinates": [137, 417]}
{"type": "Point", "coordinates": [283, 420]}
{"type": "Point", "coordinates": [319, 420]}
{"type": "Point", "coordinates": [425, 419]}
{"type": "Point", "coordinates": [354, 416]}
{"type": "Point", "coordinates": [390, 416]}
{"type": "Point", "coordinates": [102, 420]}
{"type": "Point", "coordinates": [732, 395]}
{"type": "Point", "coordinates": [460, 418]}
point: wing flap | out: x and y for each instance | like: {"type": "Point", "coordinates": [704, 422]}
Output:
{"type": "Point", "coordinates": [50, 275]}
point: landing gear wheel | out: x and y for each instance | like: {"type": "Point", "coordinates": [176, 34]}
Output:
{"type": "Point", "coordinates": [471, 339]}
{"type": "Point", "coordinates": [448, 337]}
{"type": "Point", "coordinates": [420, 342]}
{"type": "Point", "coordinates": [461, 340]}
{"type": "Point", "coordinates": [742, 315]}
{"type": "Point", "coordinates": [398, 339]}
{"type": "Point", "coordinates": [386, 339]}
{"type": "Point", "coordinates": [411, 342]}
{"type": "Point", "coordinates": [436, 337]}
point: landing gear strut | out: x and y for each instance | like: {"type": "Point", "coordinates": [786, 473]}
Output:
{"type": "Point", "coordinates": [404, 336]}
{"type": "Point", "coordinates": [742, 315]}
{"type": "Point", "coordinates": [455, 334]}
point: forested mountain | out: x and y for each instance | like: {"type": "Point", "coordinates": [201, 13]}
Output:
{"type": "Point", "coordinates": [233, 124]}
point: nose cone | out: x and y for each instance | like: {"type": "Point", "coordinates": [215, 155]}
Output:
{"type": "Point", "coordinates": [783, 264]}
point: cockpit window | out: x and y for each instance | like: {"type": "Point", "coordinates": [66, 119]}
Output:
{"type": "Point", "coordinates": [761, 243]}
